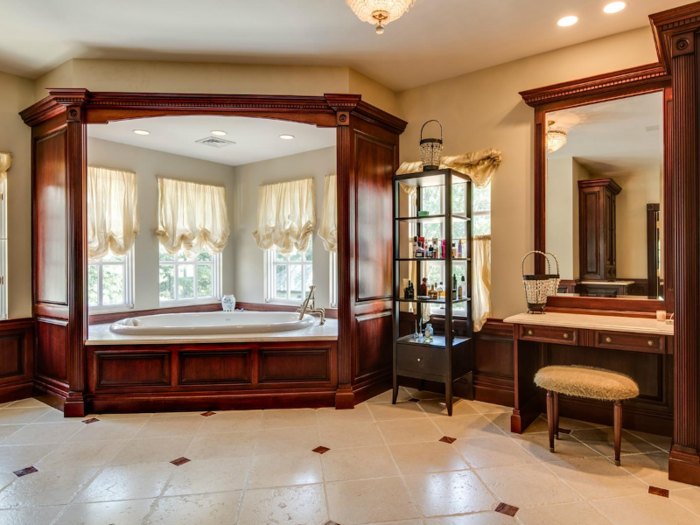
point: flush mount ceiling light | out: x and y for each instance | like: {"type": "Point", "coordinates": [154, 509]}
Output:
{"type": "Point", "coordinates": [567, 21]}
{"type": "Point", "coordinates": [218, 133]}
{"type": "Point", "coordinates": [142, 132]}
{"type": "Point", "coordinates": [556, 138]}
{"type": "Point", "coordinates": [380, 12]}
{"type": "Point", "coordinates": [286, 137]}
{"type": "Point", "coordinates": [614, 7]}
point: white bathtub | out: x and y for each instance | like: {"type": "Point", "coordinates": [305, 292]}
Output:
{"type": "Point", "coordinates": [212, 323]}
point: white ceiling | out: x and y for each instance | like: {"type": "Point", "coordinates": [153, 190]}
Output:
{"type": "Point", "coordinates": [256, 139]}
{"type": "Point", "coordinates": [614, 138]}
{"type": "Point", "coordinates": [437, 39]}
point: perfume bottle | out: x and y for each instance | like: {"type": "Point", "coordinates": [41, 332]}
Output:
{"type": "Point", "coordinates": [428, 333]}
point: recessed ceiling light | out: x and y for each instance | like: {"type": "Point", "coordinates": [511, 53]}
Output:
{"type": "Point", "coordinates": [218, 133]}
{"type": "Point", "coordinates": [567, 21]}
{"type": "Point", "coordinates": [142, 132]}
{"type": "Point", "coordinates": [286, 137]}
{"type": "Point", "coordinates": [614, 7]}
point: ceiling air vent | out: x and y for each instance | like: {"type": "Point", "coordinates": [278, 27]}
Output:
{"type": "Point", "coordinates": [214, 142]}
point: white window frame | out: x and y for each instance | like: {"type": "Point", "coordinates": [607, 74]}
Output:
{"type": "Point", "coordinates": [485, 213]}
{"type": "Point", "coordinates": [3, 250]}
{"type": "Point", "coordinates": [216, 280]}
{"type": "Point", "coordinates": [333, 280]}
{"type": "Point", "coordinates": [270, 277]}
{"type": "Point", "coordinates": [128, 303]}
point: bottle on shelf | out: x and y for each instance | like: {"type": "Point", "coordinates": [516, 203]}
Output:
{"type": "Point", "coordinates": [428, 333]}
{"type": "Point", "coordinates": [460, 290]}
{"type": "Point", "coordinates": [460, 250]}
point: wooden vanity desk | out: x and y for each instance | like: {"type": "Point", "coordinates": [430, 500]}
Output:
{"type": "Point", "coordinates": [638, 347]}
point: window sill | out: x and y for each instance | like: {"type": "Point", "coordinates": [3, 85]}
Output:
{"type": "Point", "coordinates": [188, 302]}
{"type": "Point", "coordinates": [109, 309]}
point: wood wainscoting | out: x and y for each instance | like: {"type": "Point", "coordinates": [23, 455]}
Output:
{"type": "Point", "coordinates": [16, 359]}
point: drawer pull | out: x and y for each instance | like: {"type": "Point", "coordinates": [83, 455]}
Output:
{"type": "Point", "coordinates": [608, 339]}
{"type": "Point", "coordinates": [566, 336]}
{"type": "Point", "coordinates": [418, 360]}
{"type": "Point", "coordinates": [530, 332]}
{"type": "Point", "coordinates": [650, 342]}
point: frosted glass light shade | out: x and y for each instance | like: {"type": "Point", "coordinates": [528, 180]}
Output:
{"type": "Point", "coordinates": [555, 140]}
{"type": "Point", "coordinates": [380, 12]}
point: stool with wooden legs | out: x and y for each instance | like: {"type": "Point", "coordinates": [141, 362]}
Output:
{"type": "Point", "coordinates": [587, 383]}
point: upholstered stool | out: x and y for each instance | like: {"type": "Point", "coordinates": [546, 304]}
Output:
{"type": "Point", "coordinates": [588, 383]}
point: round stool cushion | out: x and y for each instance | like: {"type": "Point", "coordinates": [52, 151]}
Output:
{"type": "Point", "coordinates": [590, 383]}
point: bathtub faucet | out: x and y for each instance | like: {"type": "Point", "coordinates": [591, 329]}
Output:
{"type": "Point", "coordinates": [309, 306]}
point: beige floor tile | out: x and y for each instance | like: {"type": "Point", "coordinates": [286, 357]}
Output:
{"type": "Point", "coordinates": [566, 446]}
{"type": "Point", "coordinates": [151, 450]}
{"type": "Point", "coordinates": [481, 518]}
{"type": "Point", "coordinates": [424, 458]}
{"type": "Point", "coordinates": [467, 427]}
{"type": "Point", "coordinates": [177, 426]}
{"type": "Point", "coordinates": [652, 469]}
{"type": "Point", "coordinates": [366, 501]}
{"type": "Point", "coordinates": [46, 488]}
{"type": "Point", "coordinates": [110, 429]}
{"type": "Point", "coordinates": [597, 478]}
{"type": "Point", "coordinates": [46, 433]}
{"type": "Point", "coordinates": [580, 513]}
{"type": "Point", "coordinates": [127, 482]}
{"type": "Point", "coordinates": [243, 421]}
{"type": "Point", "coordinates": [423, 394]}
{"type": "Point", "coordinates": [385, 397]}
{"type": "Point", "coordinates": [450, 493]}
{"type": "Point", "coordinates": [103, 513]}
{"type": "Point", "coordinates": [6, 478]}
{"type": "Point", "coordinates": [527, 486]}
{"type": "Point", "coordinates": [358, 463]}
{"type": "Point", "coordinates": [283, 470]}
{"type": "Point", "coordinates": [438, 407]}
{"type": "Point", "coordinates": [293, 505]}
{"type": "Point", "coordinates": [201, 509]}
{"type": "Point", "coordinates": [601, 440]}
{"type": "Point", "coordinates": [7, 404]}
{"type": "Point", "coordinates": [501, 420]}
{"type": "Point", "coordinates": [645, 509]}
{"type": "Point", "coordinates": [29, 516]}
{"type": "Point", "coordinates": [575, 424]}
{"type": "Point", "coordinates": [389, 412]}
{"type": "Point", "coordinates": [662, 442]}
{"type": "Point", "coordinates": [331, 416]}
{"type": "Point", "coordinates": [346, 435]}
{"type": "Point", "coordinates": [56, 416]}
{"type": "Point", "coordinates": [8, 430]}
{"type": "Point", "coordinates": [688, 498]}
{"type": "Point", "coordinates": [29, 403]}
{"type": "Point", "coordinates": [402, 522]}
{"type": "Point", "coordinates": [409, 431]}
{"type": "Point", "coordinates": [496, 451]}
{"type": "Point", "coordinates": [286, 440]}
{"type": "Point", "coordinates": [489, 408]}
{"type": "Point", "coordinates": [21, 416]}
{"type": "Point", "coordinates": [15, 457]}
{"type": "Point", "coordinates": [288, 418]}
{"type": "Point", "coordinates": [81, 455]}
{"type": "Point", "coordinates": [209, 475]}
{"type": "Point", "coordinates": [228, 445]}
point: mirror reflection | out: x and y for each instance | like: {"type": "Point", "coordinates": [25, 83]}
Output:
{"type": "Point", "coordinates": [604, 196]}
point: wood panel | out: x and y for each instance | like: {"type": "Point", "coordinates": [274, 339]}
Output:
{"type": "Point", "coordinates": [219, 367]}
{"type": "Point", "coordinates": [119, 369]}
{"type": "Point", "coordinates": [375, 354]}
{"type": "Point", "coordinates": [52, 348]}
{"type": "Point", "coordinates": [299, 364]}
{"type": "Point", "coordinates": [16, 359]}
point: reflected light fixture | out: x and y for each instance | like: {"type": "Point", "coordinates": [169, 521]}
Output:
{"type": "Point", "coordinates": [142, 132]}
{"type": "Point", "coordinates": [286, 137]}
{"type": "Point", "coordinates": [380, 12]}
{"type": "Point", "coordinates": [218, 133]}
{"type": "Point", "coordinates": [556, 138]}
{"type": "Point", "coordinates": [567, 21]}
{"type": "Point", "coordinates": [614, 7]}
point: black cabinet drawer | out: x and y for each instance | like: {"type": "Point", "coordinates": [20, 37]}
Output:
{"type": "Point", "coordinates": [421, 360]}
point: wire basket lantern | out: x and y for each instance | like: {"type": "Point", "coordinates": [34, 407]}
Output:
{"type": "Point", "coordinates": [430, 149]}
{"type": "Point", "coordinates": [539, 286]}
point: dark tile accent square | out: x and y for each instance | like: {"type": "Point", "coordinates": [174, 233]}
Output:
{"type": "Point", "coordinates": [564, 430]}
{"type": "Point", "coordinates": [320, 450]}
{"type": "Point", "coordinates": [91, 420]}
{"type": "Point", "coordinates": [658, 491]}
{"type": "Point", "coordinates": [414, 400]}
{"type": "Point", "coordinates": [25, 471]}
{"type": "Point", "coordinates": [508, 510]}
{"type": "Point", "coordinates": [208, 414]}
{"type": "Point", "coordinates": [447, 439]}
{"type": "Point", "coordinates": [180, 461]}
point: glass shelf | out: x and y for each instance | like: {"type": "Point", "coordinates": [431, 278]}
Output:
{"type": "Point", "coordinates": [433, 301]}
{"type": "Point", "coordinates": [428, 259]}
{"type": "Point", "coordinates": [435, 218]}
{"type": "Point", "coordinates": [431, 178]}
{"type": "Point", "coordinates": [437, 342]}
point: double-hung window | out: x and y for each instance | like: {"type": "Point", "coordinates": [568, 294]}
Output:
{"type": "Point", "coordinates": [110, 282]}
{"type": "Point", "coordinates": [194, 279]}
{"type": "Point", "coordinates": [288, 278]}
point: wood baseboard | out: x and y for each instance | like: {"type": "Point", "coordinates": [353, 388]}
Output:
{"type": "Point", "coordinates": [16, 391]}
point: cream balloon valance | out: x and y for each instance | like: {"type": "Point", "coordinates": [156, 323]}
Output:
{"type": "Point", "coordinates": [112, 217]}
{"type": "Point", "coordinates": [479, 166]}
{"type": "Point", "coordinates": [192, 217]}
{"type": "Point", "coordinates": [5, 163]}
{"type": "Point", "coordinates": [286, 216]}
{"type": "Point", "coordinates": [328, 229]}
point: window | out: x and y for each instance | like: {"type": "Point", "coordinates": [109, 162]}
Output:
{"type": "Point", "coordinates": [288, 279]}
{"type": "Point", "coordinates": [481, 210]}
{"type": "Point", "coordinates": [183, 280]}
{"type": "Point", "coordinates": [3, 249]}
{"type": "Point", "coordinates": [110, 282]}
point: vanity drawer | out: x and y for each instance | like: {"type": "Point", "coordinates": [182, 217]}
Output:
{"type": "Point", "coordinates": [421, 360]}
{"type": "Point", "coordinates": [549, 334]}
{"type": "Point", "coordinates": [649, 343]}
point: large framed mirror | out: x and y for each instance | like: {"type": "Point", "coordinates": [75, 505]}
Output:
{"type": "Point", "coordinates": [602, 187]}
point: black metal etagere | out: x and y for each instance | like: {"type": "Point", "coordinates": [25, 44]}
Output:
{"type": "Point", "coordinates": [448, 357]}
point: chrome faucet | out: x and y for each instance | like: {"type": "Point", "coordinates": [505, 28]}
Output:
{"type": "Point", "coordinates": [309, 306]}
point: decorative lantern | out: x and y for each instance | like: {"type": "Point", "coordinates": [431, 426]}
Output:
{"type": "Point", "coordinates": [430, 149]}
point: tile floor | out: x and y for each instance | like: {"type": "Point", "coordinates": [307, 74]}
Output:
{"type": "Point", "coordinates": [385, 464]}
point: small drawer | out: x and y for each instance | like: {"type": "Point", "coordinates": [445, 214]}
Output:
{"type": "Point", "coordinates": [549, 334]}
{"type": "Point", "coordinates": [654, 344]}
{"type": "Point", "coordinates": [421, 360]}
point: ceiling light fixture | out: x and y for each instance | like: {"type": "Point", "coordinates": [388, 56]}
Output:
{"type": "Point", "coordinates": [614, 7]}
{"type": "Point", "coordinates": [286, 137]}
{"type": "Point", "coordinates": [218, 133]}
{"type": "Point", "coordinates": [380, 12]}
{"type": "Point", "coordinates": [567, 21]}
{"type": "Point", "coordinates": [142, 132]}
{"type": "Point", "coordinates": [556, 138]}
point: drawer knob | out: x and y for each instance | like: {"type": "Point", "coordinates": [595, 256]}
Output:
{"type": "Point", "coordinates": [566, 336]}
{"type": "Point", "coordinates": [530, 332]}
{"type": "Point", "coordinates": [608, 339]}
{"type": "Point", "coordinates": [650, 342]}
{"type": "Point", "coordinates": [419, 359]}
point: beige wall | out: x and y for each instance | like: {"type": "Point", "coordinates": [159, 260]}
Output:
{"type": "Point", "coordinates": [249, 276]}
{"type": "Point", "coordinates": [483, 110]}
{"type": "Point", "coordinates": [560, 196]}
{"type": "Point", "coordinates": [15, 138]}
{"type": "Point", "coordinates": [149, 164]}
